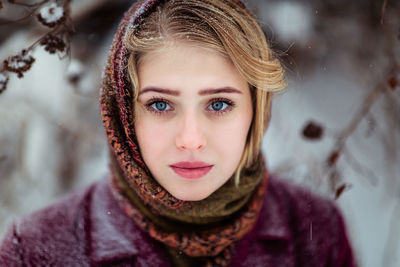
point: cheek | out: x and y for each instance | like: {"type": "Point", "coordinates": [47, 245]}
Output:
{"type": "Point", "coordinates": [231, 136]}
{"type": "Point", "coordinates": [153, 138]}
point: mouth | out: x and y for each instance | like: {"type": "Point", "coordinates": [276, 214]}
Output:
{"type": "Point", "coordinates": [191, 170]}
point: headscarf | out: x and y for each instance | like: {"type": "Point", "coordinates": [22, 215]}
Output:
{"type": "Point", "coordinates": [205, 230]}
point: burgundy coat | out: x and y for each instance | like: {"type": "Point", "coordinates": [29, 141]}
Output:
{"type": "Point", "coordinates": [88, 228]}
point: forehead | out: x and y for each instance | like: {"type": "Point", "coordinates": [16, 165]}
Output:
{"type": "Point", "coordinates": [181, 65]}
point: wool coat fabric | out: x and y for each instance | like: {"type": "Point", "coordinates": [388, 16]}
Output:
{"type": "Point", "coordinates": [88, 228]}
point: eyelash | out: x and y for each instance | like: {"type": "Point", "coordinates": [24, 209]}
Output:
{"type": "Point", "coordinates": [153, 100]}
{"type": "Point", "coordinates": [230, 106]}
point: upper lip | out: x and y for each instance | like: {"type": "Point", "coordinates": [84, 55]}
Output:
{"type": "Point", "coordinates": [190, 164]}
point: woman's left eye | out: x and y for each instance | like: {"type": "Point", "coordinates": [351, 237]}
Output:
{"type": "Point", "coordinates": [219, 106]}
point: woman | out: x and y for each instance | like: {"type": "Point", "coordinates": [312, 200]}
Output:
{"type": "Point", "coordinates": [185, 103]}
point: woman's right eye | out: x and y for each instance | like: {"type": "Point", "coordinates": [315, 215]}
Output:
{"type": "Point", "coordinates": [159, 106]}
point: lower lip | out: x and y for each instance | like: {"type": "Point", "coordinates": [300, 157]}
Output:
{"type": "Point", "coordinates": [192, 173]}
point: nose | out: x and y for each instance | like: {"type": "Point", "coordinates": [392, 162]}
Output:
{"type": "Point", "coordinates": [190, 136]}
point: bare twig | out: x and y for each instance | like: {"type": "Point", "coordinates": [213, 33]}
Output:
{"type": "Point", "coordinates": [33, 8]}
{"type": "Point", "coordinates": [364, 111]}
{"type": "Point", "coordinates": [392, 243]}
{"type": "Point", "coordinates": [383, 10]}
{"type": "Point", "coordinates": [357, 166]}
{"type": "Point", "coordinates": [369, 100]}
{"type": "Point", "coordinates": [28, 5]}
{"type": "Point", "coordinates": [55, 40]}
{"type": "Point", "coordinates": [21, 151]}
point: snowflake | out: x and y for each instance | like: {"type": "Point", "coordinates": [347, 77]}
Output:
{"type": "Point", "coordinates": [51, 15]}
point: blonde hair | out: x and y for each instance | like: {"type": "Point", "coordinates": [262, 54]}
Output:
{"type": "Point", "coordinates": [223, 26]}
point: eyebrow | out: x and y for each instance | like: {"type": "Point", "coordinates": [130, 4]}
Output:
{"type": "Point", "coordinates": [203, 92]}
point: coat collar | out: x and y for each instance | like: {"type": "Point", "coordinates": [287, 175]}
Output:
{"type": "Point", "coordinates": [112, 235]}
{"type": "Point", "coordinates": [273, 223]}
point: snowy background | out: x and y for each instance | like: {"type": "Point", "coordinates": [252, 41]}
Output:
{"type": "Point", "coordinates": [342, 65]}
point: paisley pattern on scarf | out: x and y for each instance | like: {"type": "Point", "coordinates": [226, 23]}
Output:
{"type": "Point", "coordinates": [206, 228]}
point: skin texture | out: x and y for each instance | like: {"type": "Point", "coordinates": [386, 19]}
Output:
{"type": "Point", "coordinates": [191, 125]}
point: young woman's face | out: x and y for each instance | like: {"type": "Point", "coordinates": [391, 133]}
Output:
{"type": "Point", "coordinates": [193, 114]}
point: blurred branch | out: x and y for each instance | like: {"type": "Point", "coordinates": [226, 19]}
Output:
{"type": "Point", "coordinates": [69, 166]}
{"type": "Point", "coordinates": [93, 18]}
{"type": "Point", "coordinates": [33, 9]}
{"type": "Point", "coordinates": [383, 11]}
{"type": "Point", "coordinates": [392, 243]}
{"type": "Point", "coordinates": [369, 100]}
{"type": "Point", "coordinates": [25, 4]}
{"type": "Point", "coordinates": [54, 16]}
{"type": "Point", "coordinates": [357, 166]}
{"type": "Point", "coordinates": [385, 86]}
{"type": "Point", "coordinates": [21, 151]}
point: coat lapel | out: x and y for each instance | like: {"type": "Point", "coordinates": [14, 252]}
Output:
{"type": "Point", "coordinates": [112, 234]}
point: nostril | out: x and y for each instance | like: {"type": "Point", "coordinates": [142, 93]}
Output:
{"type": "Point", "coordinates": [190, 144]}
{"type": "Point", "coordinates": [190, 136]}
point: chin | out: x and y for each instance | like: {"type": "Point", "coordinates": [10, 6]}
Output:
{"type": "Point", "coordinates": [187, 195]}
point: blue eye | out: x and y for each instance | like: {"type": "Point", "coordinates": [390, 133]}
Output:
{"type": "Point", "coordinates": [160, 106]}
{"type": "Point", "coordinates": [218, 105]}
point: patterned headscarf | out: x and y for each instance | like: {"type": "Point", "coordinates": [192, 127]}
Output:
{"type": "Point", "coordinates": [203, 230]}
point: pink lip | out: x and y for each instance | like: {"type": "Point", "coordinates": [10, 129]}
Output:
{"type": "Point", "coordinates": [191, 170]}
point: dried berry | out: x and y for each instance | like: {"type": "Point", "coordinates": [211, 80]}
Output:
{"type": "Point", "coordinates": [19, 63]}
{"type": "Point", "coordinates": [53, 43]}
{"type": "Point", "coordinates": [313, 131]}
{"type": "Point", "coordinates": [393, 82]}
{"type": "Point", "coordinates": [51, 15]}
{"type": "Point", "coordinates": [341, 189]}
{"type": "Point", "coordinates": [333, 158]}
{"type": "Point", "coordinates": [3, 82]}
